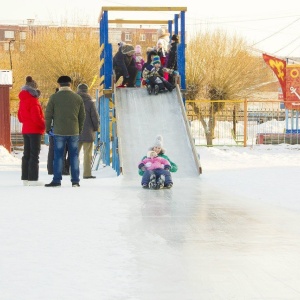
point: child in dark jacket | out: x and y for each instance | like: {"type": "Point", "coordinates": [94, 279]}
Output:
{"type": "Point", "coordinates": [150, 54]}
{"type": "Point", "coordinates": [154, 75]}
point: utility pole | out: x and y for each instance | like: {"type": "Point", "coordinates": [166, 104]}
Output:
{"type": "Point", "coordinates": [9, 49]}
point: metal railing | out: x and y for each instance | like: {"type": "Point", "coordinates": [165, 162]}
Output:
{"type": "Point", "coordinates": [236, 123]}
{"type": "Point", "coordinates": [240, 122]}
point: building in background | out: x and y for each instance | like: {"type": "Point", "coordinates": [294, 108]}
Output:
{"type": "Point", "coordinates": [13, 36]}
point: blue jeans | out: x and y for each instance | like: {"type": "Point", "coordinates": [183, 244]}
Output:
{"type": "Point", "coordinates": [157, 172]}
{"type": "Point", "coordinates": [60, 141]}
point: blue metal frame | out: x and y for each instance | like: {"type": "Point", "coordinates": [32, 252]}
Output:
{"type": "Point", "coordinates": [181, 53]}
{"type": "Point", "coordinates": [115, 142]}
{"type": "Point", "coordinates": [181, 47]}
{"type": "Point", "coordinates": [170, 24]}
{"type": "Point", "coordinates": [104, 128]}
{"type": "Point", "coordinates": [176, 18]}
{"type": "Point", "coordinates": [107, 71]}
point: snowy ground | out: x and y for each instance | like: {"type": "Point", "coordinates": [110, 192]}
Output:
{"type": "Point", "coordinates": [232, 233]}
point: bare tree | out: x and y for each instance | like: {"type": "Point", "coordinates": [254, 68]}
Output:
{"type": "Point", "coordinates": [54, 51]}
{"type": "Point", "coordinates": [220, 67]}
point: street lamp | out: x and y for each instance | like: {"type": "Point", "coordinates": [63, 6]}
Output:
{"type": "Point", "coordinates": [9, 49]}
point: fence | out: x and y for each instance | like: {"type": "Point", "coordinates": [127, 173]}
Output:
{"type": "Point", "coordinates": [16, 132]}
{"type": "Point", "coordinates": [241, 122]}
{"type": "Point", "coordinates": [16, 129]}
{"type": "Point", "coordinates": [236, 123]}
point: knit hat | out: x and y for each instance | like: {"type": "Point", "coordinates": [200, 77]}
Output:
{"type": "Point", "coordinates": [82, 87]}
{"type": "Point", "coordinates": [175, 38]}
{"type": "Point", "coordinates": [120, 44]}
{"type": "Point", "coordinates": [30, 82]}
{"type": "Point", "coordinates": [151, 153]}
{"type": "Point", "coordinates": [138, 50]}
{"type": "Point", "coordinates": [158, 141]}
{"type": "Point", "coordinates": [127, 49]}
{"type": "Point", "coordinates": [64, 79]}
{"type": "Point", "coordinates": [152, 52]}
{"type": "Point", "coordinates": [155, 60]}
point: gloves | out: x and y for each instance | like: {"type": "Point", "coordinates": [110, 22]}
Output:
{"type": "Point", "coordinates": [142, 167]}
{"type": "Point", "coordinates": [167, 167]}
{"type": "Point", "coordinates": [50, 132]}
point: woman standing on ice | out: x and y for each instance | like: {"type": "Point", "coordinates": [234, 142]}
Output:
{"type": "Point", "coordinates": [31, 115]}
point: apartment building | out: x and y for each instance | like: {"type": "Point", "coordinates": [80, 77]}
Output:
{"type": "Point", "coordinates": [9, 34]}
{"type": "Point", "coordinates": [13, 37]}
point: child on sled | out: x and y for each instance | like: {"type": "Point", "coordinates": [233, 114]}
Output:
{"type": "Point", "coordinates": [161, 177]}
{"type": "Point", "coordinates": [153, 167]}
{"type": "Point", "coordinates": [154, 76]}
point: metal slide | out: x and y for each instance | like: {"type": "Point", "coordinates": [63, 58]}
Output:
{"type": "Point", "coordinates": [141, 117]}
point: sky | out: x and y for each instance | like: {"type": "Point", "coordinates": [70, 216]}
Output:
{"type": "Point", "coordinates": [267, 26]}
{"type": "Point", "coordinates": [110, 239]}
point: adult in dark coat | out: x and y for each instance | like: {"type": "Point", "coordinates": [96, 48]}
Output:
{"type": "Point", "coordinates": [65, 111]}
{"type": "Point", "coordinates": [50, 158]}
{"type": "Point", "coordinates": [172, 57]}
{"type": "Point", "coordinates": [124, 65]}
{"type": "Point", "coordinates": [90, 126]}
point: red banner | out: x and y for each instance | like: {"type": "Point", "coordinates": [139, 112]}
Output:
{"type": "Point", "coordinates": [279, 68]}
{"type": "Point", "coordinates": [292, 99]}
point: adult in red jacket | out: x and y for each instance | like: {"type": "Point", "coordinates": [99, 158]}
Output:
{"type": "Point", "coordinates": [31, 115]}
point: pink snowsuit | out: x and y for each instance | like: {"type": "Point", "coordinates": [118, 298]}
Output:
{"type": "Point", "coordinates": [152, 163]}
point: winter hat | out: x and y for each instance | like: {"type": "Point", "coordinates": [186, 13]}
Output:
{"type": "Point", "coordinates": [30, 82]}
{"type": "Point", "coordinates": [175, 38]}
{"type": "Point", "coordinates": [162, 45]}
{"type": "Point", "coordinates": [127, 49]}
{"type": "Point", "coordinates": [82, 87]}
{"type": "Point", "coordinates": [158, 141]}
{"type": "Point", "coordinates": [155, 60]}
{"type": "Point", "coordinates": [138, 50]}
{"type": "Point", "coordinates": [120, 44]}
{"type": "Point", "coordinates": [152, 52]}
{"type": "Point", "coordinates": [151, 153]}
{"type": "Point", "coordinates": [162, 33]}
{"type": "Point", "coordinates": [64, 80]}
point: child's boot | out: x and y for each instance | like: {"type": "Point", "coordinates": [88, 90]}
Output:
{"type": "Point", "coordinates": [161, 181]}
{"type": "Point", "coordinates": [152, 182]}
{"type": "Point", "coordinates": [149, 89]}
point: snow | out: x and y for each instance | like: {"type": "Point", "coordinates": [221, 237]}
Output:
{"type": "Point", "coordinates": [232, 233]}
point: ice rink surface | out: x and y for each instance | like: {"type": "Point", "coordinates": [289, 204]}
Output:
{"type": "Point", "coordinates": [232, 233]}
